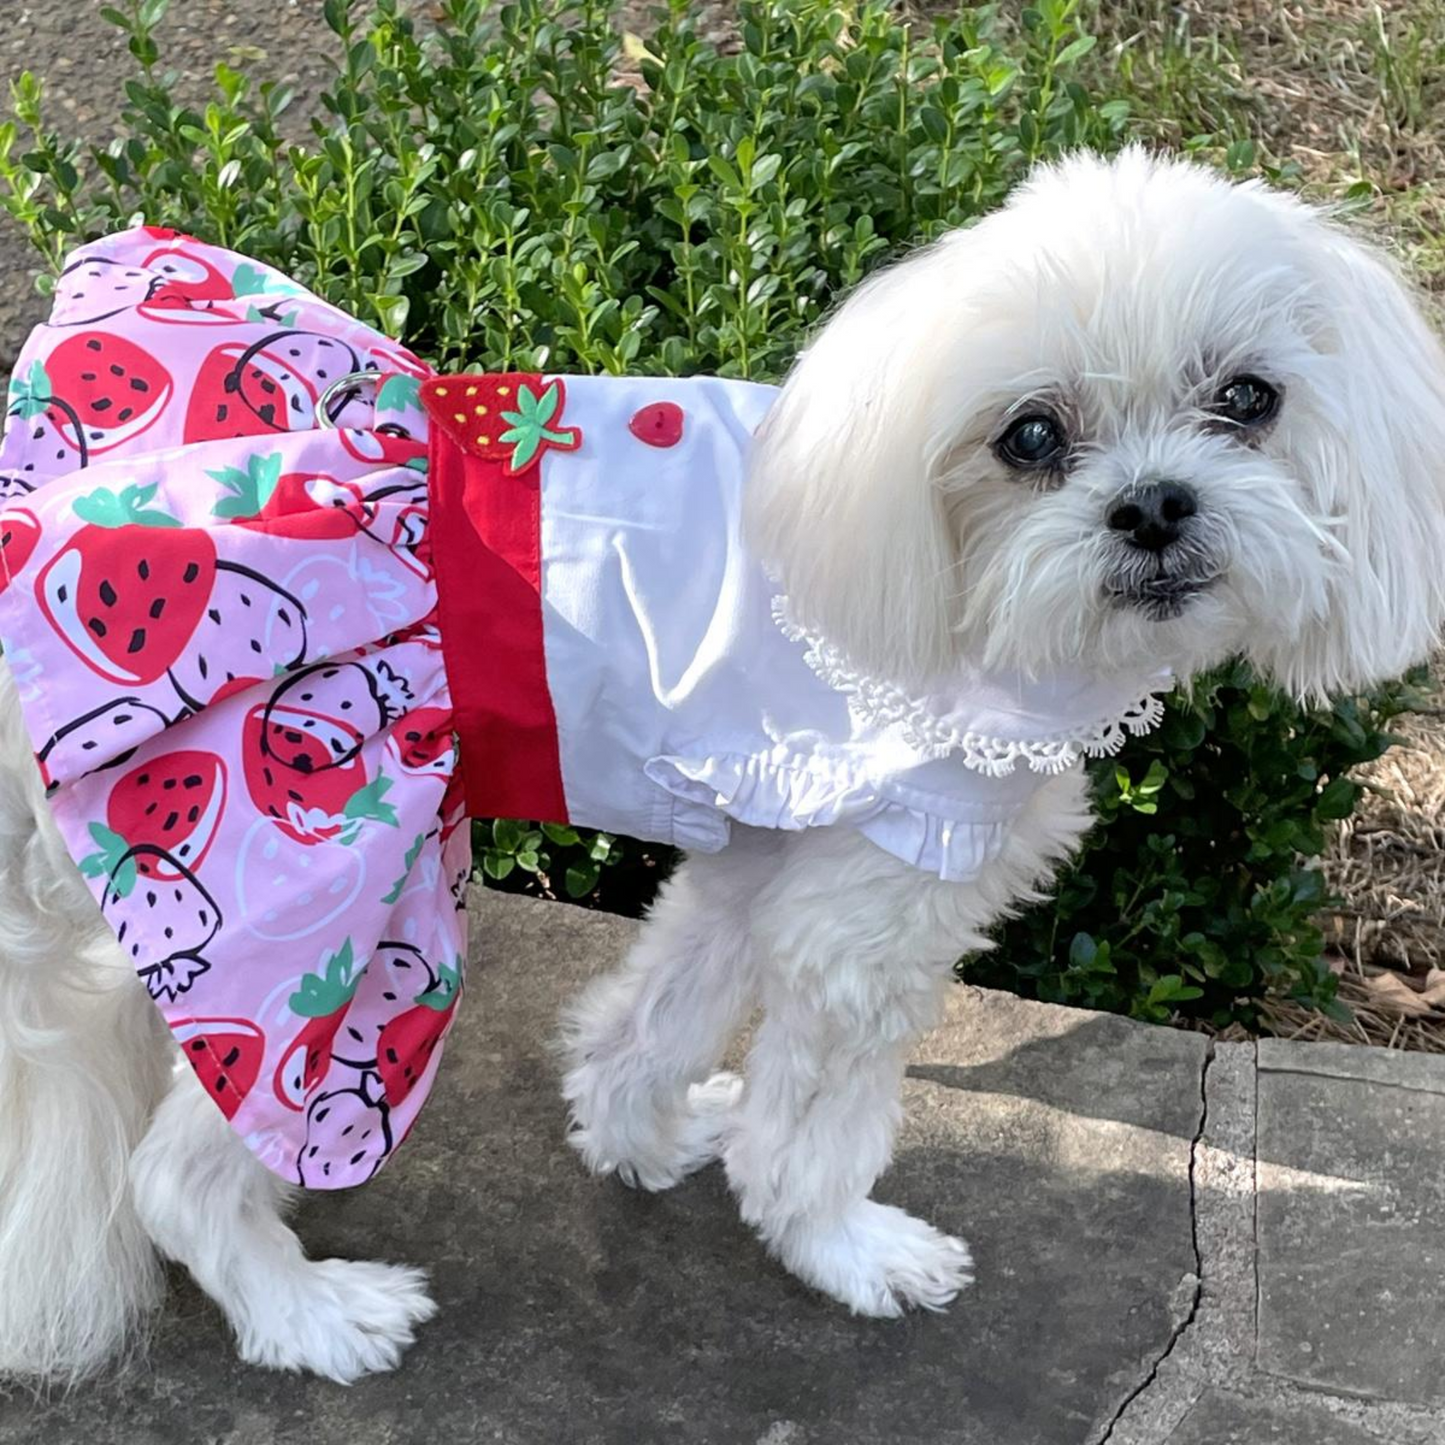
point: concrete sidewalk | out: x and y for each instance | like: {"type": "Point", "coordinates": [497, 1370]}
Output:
{"type": "Point", "coordinates": [1173, 1245]}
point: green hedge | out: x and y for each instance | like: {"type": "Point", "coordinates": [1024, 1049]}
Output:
{"type": "Point", "coordinates": [494, 194]}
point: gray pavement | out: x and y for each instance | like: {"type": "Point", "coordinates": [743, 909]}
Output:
{"type": "Point", "coordinates": [1226, 1247]}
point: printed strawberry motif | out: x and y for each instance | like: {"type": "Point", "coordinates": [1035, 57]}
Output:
{"type": "Point", "coordinates": [303, 752]}
{"type": "Point", "coordinates": [19, 532]}
{"type": "Point", "coordinates": [322, 1000]}
{"type": "Point", "coordinates": [126, 592]}
{"type": "Point", "coordinates": [95, 391]}
{"type": "Point", "coordinates": [407, 1042]}
{"type": "Point", "coordinates": [250, 630]}
{"type": "Point", "coordinates": [356, 1130]}
{"type": "Point", "coordinates": [163, 927]}
{"type": "Point", "coordinates": [184, 277]}
{"type": "Point", "coordinates": [173, 802]}
{"type": "Point", "coordinates": [658, 424]}
{"type": "Point", "coordinates": [272, 385]}
{"type": "Point", "coordinates": [14, 486]}
{"type": "Point", "coordinates": [96, 287]}
{"type": "Point", "coordinates": [113, 730]}
{"type": "Point", "coordinates": [512, 417]}
{"type": "Point", "coordinates": [405, 974]}
{"type": "Point", "coordinates": [296, 504]}
{"type": "Point", "coordinates": [226, 1056]}
{"type": "Point", "coordinates": [423, 741]}
{"type": "Point", "coordinates": [390, 448]}
{"type": "Point", "coordinates": [287, 890]}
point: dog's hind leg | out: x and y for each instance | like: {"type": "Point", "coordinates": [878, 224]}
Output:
{"type": "Point", "coordinates": [642, 1042]}
{"type": "Point", "coordinates": [211, 1205]}
{"type": "Point", "coordinates": [83, 1059]}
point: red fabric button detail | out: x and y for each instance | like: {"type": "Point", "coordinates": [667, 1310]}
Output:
{"type": "Point", "coordinates": [659, 425]}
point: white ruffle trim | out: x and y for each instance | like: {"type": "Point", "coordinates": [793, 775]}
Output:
{"type": "Point", "coordinates": [763, 793]}
{"type": "Point", "coordinates": [885, 704]}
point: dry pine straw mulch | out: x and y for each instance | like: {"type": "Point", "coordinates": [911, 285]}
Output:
{"type": "Point", "coordinates": [1386, 940]}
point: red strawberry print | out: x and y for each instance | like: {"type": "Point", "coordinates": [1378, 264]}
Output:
{"type": "Point", "coordinates": [186, 277]}
{"type": "Point", "coordinates": [226, 1056]}
{"type": "Point", "coordinates": [272, 385]}
{"type": "Point", "coordinates": [291, 504]}
{"type": "Point", "coordinates": [388, 448]}
{"type": "Point", "coordinates": [511, 417]}
{"type": "Point", "coordinates": [659, 424]}
{"type": "Point", "coordinates": [163, 927]}
{"type": "Point", "coordinates": [173, 802]}
{"type": "Point", "coordinates": [304, 764]}
{"type": "Point", "coordinates": [95, 391]}
{"type": "Point", "coordinates": [407, 1042]}
{"type": "Point", "coordinates": [422, 741]}
{"type": "Point", "coordinates": [126, 592]}
{"type": "Point", "coordinates": [19, 532]}
{"type": "Point", "coordinates": [322, 1000]}
{"type": "Point", "coordinates": [353, 1127]}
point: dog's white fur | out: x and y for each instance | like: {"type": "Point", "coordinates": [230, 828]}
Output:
{"type": "Point", "coordinates": [1123, 294]}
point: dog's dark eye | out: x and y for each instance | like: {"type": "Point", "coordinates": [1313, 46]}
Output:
{"type": "Point", "coordinates": [1032, 441]}
{"type": "Point", "coordinates": [1246, 401]}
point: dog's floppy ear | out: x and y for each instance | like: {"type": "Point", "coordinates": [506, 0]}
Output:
{"type": "Point", "coordinates": [1372, 449]}
{"type": "Point", "coordinates": [842, 504]}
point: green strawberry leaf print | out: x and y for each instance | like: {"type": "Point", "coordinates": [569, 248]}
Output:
{"type": "Point", "coordinates": [399, 392]}
{"type": "Point", "coordinates": [444, 994]}
{"type": "Point", "coordinates": [104, 508]}
{"type": "Point", "coordinates": [249, 280]}
{"type": "Point", "coordinates": [408, 863]}
{"type": "Point", "coordinates": [365, 805]}
{"type": "Point", "coordinates": [106, 862]}
{"type": "Point", "coordinates": [29, 398]}
{"type": "Point", "coordinates": [528, 426]}
{"type": "Point", "coordinates": [320, 995]}
{"type": "Point", "coordinates": [250, 490]}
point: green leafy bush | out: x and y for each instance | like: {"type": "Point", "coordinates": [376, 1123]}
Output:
{"type": "Point", "coordinates": [523, 187]}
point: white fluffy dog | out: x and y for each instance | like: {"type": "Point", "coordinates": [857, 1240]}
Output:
{"type": "Point", "coordinates": [1139, 418]}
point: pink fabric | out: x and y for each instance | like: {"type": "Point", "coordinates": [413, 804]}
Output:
{"type": "Point", "coordinates": [221, 618]}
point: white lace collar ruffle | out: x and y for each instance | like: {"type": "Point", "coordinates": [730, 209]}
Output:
{"type": "Point", "coordinates": [992, 722]}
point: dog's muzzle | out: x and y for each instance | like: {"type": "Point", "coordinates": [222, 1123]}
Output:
{"type": "Point", "coordinates": [1159, 548]}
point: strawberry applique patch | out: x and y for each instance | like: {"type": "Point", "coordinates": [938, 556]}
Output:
{"type": "Point", "coordinates": [511, 417]}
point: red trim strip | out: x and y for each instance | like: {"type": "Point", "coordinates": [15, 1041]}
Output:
{"type": "Point", "coordinates": [486, 545]}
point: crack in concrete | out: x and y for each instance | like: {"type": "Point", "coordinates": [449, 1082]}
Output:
{"type": "Point", "coordinates": [1179, 1329]}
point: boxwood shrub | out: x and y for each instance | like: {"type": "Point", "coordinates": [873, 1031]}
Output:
{"type": "Point", "coordinates": [526, 187]}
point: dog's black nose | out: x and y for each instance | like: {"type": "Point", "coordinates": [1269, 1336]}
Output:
{"type": "Point", "coordinates": [1152, 514]}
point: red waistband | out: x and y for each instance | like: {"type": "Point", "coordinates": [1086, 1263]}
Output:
{"type": "Point", "coordinates": [485, 536]}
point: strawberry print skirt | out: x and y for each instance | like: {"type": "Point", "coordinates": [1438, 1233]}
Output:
{"type": "Point", "coordinates": [219, 610]}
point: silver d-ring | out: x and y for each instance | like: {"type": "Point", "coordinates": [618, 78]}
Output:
{"type": "Point", "coordinates": [352, 381]}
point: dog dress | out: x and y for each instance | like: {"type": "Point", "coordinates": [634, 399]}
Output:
{"type": "Point", "coordinates": [283, 608]}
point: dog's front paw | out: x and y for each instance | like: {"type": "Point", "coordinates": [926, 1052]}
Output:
{"type": "Point", "coordinates": [878, 1260]}
{"type": "Point", "coordinates": [339, 1318]}
{"type": "Point", "coordinates": [653, 1151]}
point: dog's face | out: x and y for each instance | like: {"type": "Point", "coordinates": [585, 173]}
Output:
{"type": "Point", "coordinates": [1140, 417]}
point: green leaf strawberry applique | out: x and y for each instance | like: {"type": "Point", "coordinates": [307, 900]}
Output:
{"type": "Point", "coordinates": [530, 426]}
{"type": "Point", "coordinates": [511, 417]}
